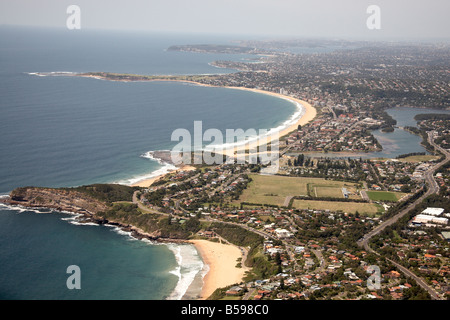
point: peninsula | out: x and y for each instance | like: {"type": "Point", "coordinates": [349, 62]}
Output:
{"type": "Point", "coordinates": [316, 229]}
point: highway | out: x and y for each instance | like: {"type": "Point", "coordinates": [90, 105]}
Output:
{"type": "Point", "coordinates": [433, 188]}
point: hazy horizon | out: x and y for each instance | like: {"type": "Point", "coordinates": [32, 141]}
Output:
{"type": "Point", "coordinates": [346, 19]}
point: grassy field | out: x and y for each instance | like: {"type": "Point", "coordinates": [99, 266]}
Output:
{"type": "Point", "coordinates": [318, 191]}
{"type": "Point", "coordinates": [420, 158]}
{"type": "Point", "coordinates": [274, 189]}
{"type": "Point", "coordinates": [349, 207]}
{"type": "Point", "coordinates": [231, 298]}
{"type": "Point", "coordinates": [385, 195]}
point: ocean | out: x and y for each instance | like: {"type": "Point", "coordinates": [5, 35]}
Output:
{"type": "Point", "coordinates": [68, 131]}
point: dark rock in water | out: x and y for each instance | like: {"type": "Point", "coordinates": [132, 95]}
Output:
{"type": "Point", "coordinates": [162, 156]}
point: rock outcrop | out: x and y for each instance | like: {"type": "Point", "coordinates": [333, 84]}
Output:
{"type": "Point", "coordinates": [90, 208]}
{"type": "Point", "coordinates": [58, 199]}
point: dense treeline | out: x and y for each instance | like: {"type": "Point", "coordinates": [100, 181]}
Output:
{"type": "Point", "coordinates": [406, 155]}
{"type": "Point", "coordinates": [395, 233]}
{"type": "Point", "coordinates": [413, 130]}
{"type": "Point", "coordinates": [443, 141]}
{"type": "Point", "coordinates": [163, 227]}
{"type": "Point", "coordinates": [262, 205]}
{"type": "Point", "coordinates": [432, 116]}
{"type": "Point", "coordinates": [108, 192]}
{"type": "Point", "coordinates": [435, 201]}
{"type": "Point", "coordinates": [387, 129]}
{"type": "Point", "coordinates": [329, 199]}
{"type": "Point", "coordinates": [393, 210]}
{"type": "Point", "coordinates": [261, 266]}
{"type": "Point", "coordinates": [237, 235]}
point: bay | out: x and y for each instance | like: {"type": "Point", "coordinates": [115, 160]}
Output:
{"type": "Point", "coordinates": [70, 131]}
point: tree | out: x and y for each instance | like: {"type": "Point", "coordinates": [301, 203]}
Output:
{"type": "Point", "coordinates": [278, 259]}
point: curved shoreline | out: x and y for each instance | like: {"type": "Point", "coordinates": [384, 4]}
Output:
{"type": "Point", "coordinates": [307, 114]}
{"type": "Point", "coordinates": [222, 270]}
{"type": "Point", "coordinates": [221, 259]}
{"type": "Point", "coordinates": [218, 263]}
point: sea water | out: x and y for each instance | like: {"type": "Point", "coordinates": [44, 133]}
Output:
{"type": "Point", "coordinates": [70, 131]}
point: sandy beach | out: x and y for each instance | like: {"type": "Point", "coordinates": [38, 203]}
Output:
{"type": "Point", "coordinates": [148, 182]}
{"type": "Point", "coordinates": [221, 259]}
{"type": "Point", "coordinates": [309, 114]}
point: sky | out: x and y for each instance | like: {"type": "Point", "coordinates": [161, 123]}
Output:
{"type": "Point", "coordinates": [345, 19]}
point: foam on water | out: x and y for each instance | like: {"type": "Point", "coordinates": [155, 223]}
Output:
{"type": "Point", "coordinates": [166, 168]}
{"type": "Point", "coordinates": [272, 131]}
{"type": "Point", "coordinates": [20, 209]}
{"type": "Point", "coordinates": [189, 265]}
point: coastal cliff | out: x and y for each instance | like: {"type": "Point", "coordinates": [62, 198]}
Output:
{"type": "Point", "coordinates": [58, 199]}
{"type": "Point", "coordinates": [103, 204]}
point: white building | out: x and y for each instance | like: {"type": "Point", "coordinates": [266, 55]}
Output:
{"type": "Point", "coordinates": [299, 249]}
{"type": "Point", "coordinates": [440, 220]}
{"type": "Point", "coordinates": [433, 211]}
{"type": "Point", "coordinates": [423, 218]}
{"type": "Point", "coordinates": [273, 251]}
{"type": "Point", "coordinates": [283, 233]}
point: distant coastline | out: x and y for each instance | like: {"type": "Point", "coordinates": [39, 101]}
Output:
{"type": "Point", "coordinates": [306, 112]}
{"type": "Point", "coordinates": [220, 258]}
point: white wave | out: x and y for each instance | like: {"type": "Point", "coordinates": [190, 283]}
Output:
{"type": "Point", "coordinates": [51, 73]}
{"type": "Point", "coordinates": [20, 209]}
{"type": "Point", "coordinates": [62, 72]}
{"type": "Point", "coordinates": [36, 74]}
{"type": "Point", "coordinates": [189, 265]}
{"type": "Point", "coordinates": [119, 230]}
{"type": "Point", "coordinates": [272, 131]}
{"type": "Point", "coordinates": [177, 251]}
{"type": "Point", "coordinates": [148, 241]}
{"type": "Point", "coordinates": [73, 217]}
{"type": "Point", "coordinates": [166, 168]}
{"type": "Point", "coordinates": [74, 220]}
{"type": "Point", "coordinates": [70, 212]}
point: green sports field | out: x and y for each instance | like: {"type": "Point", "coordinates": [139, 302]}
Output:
{"type": "Point", "coordinates": [369, 209]}
{"type": "Point", "coordinates": [273, 190]}
{"type": "Point", "coordinates": [385, 195]}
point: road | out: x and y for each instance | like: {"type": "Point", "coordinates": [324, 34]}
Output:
{"type": "Point", "coordinates": [321, 259]}
{"type": "Point", "coordinates": [434, 295]}
{"type": "Point", "coordinates": [287, 200]}
{"type": "Point", "coordinates": [364, 195]}
{"type": "Point", "coordinates": [333, 140]}
{"type": "Point", "coordinates": [144, 208]}
{"type": "Point", "coordinates": [433, 188]}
